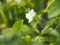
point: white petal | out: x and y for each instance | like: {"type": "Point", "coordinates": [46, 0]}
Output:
{"type": "Point", "coordinates": [30, 20]}
{"type": "Point", "coordinates": [30, 15]}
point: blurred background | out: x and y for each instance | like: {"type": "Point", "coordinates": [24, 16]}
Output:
{"type": "Point", "coordinates": [44, 29]}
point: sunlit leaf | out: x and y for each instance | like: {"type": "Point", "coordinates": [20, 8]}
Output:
{"type": "Point", "coordinates": [54, 9]}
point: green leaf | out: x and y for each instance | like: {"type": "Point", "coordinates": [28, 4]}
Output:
{"type": "Point", "coordinates": [54, 9]}
{"type": "Point", "coordinates": [54, 32]}
{"type": "Point", "coordinates": [27, 39]}
{"type": "Point", "coordinates": [49, 23]}
{"type": "Point", "coordinates": [17, 26]}
{"type": "Point", "coordinates": [26, 29]}
{"type": "Point", "coordinates": [37, 41]}
{"type": "Point", "coordinates": [8, 33]}
{"type": "Point", "coordinates": [45, 32]}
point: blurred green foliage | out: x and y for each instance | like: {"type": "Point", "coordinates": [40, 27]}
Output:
{"type": "Point", "coordinates": [44, 29]}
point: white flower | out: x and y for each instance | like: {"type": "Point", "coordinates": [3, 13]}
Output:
{"type": "Point", "coordinates": [30, 15]}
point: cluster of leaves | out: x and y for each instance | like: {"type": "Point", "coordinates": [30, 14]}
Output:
{"type": "Point", "coordinates": [44, 29]}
